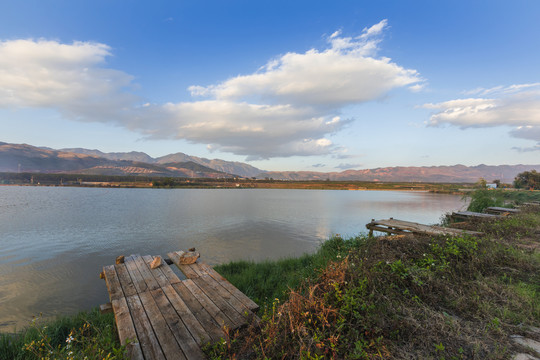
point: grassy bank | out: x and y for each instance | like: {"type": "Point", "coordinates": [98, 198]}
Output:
{"type": "Point", "coordinates": [404, 298]}
{"type": "Point", "coordinates": [86, 335]}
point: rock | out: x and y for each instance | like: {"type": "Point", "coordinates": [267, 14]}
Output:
{"type": "Point", "coordinates": [156, 262]}
{"type": "Point", "coordinates": [189, 257]}
{"type": "Point", "coordinates": [523, 356]}
{"type": "Point", "coordinates": [530, 343]}
{"type": "Point", "coordinates": [192, 249]}
{"type": "Point", "coordinates": [120, 259]}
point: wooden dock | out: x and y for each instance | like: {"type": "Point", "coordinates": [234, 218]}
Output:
{"type": "Point", "coordinates": [400, 227]}
{"type": "Point", "coordinates": [160, 316]}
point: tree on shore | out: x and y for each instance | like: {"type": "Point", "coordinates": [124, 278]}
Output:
{"type": "Point", "coordinates": [527, 180]}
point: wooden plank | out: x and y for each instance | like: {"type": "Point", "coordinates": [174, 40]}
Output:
{"type": "Point", "coordinates": [186, 269]}
{"type": "Point", "coordinates": [236, 304]}
{"type": "Point", "coordinates": [213, 329]}
{"type": "Point", "coordinates": [208, 304]}
{"type": "Point", "coordinates": [500, 210]}
{"type": "Point", "coordinates": [136, 277]}
{"type": "Point", "coordinates": [237, 319]}
{"type": "Point", "coordinates": [194, 326]}
{"type": "Point", "coordinates": [113, 283]}
{"type": "Point", "coordinates": [125, 280]}
{"type": "Point", "coordinates": [105, 308]}
{"type": "Point", "coordinates": [147, 275]}
{"type": "Point", "coordinates": [179, 330]}
{"type": "Point", "coordinates": [250, 304]}
{"type": "Point", "coordinates": [161, 273]}
{"type": "Point", "coordinates": [149, 343]}
{"type": "Point", "coordinates": [395, 226]}
{"type": "Point", "coordinates": [472, 214]}
{"type": "Point", "coordinates": [126, 329]}
{"type": "Point", "coordinates": [168, 343]}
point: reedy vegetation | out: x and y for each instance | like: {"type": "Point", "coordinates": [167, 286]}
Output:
{"type": "Point", "coordinates": [407, 297]}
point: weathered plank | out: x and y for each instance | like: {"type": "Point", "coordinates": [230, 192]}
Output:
{"type": "Point", "coordinates": [193, 325]}
{"type": "Point", "coordinates": [250, 304]}
{"type": "Point", "coordinates": [136, 277]}
{"type": "Point", "coordinates": [395, 226]}
{"type": "Point", "coordinates": [473, 215]}
{"type": "Point", "coordinates": [213, 329]}
{"type": "Point", "coordinates": [500, 210]}
{"type": "Point", "coordinates": [178, 329]}
{"type": "Point", "coordinates": [162, 331]}
{"type": "Point", "coordinates": [125, 280]}
{"type": "Point", "coordinates": [146, 273]}
{"type": "Point", "coordinates": [208, 304]}
{"type": "Point", "coordinates": [113, 283]}
{"type": "Point", "coordinates": [229, 298]}
{"type": "Point", "coordinates": [149, 343]}
{"type": "Point", "coordinates": [105, 308]}
{"type": "Point", "coordinates": [160, 273]}
{"type": "Point", "coordinates": [126, 329]}
{"type": "Point", "coordinates": [236, 318]}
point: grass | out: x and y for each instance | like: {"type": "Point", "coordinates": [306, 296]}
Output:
{"type": "Point", "coordinates": [483, 198]}
{"type": "Point", "coordinates": [403, 298]}
{"type": "Point", "coordinates": [269, 280]}
{"type": "Point", "coordinates": [87, 335]}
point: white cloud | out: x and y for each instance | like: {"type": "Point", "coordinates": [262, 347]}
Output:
{"type": "Point", "coordinates": [66, 77]}
{"type": "Point", "coordinates": [344, 166]}
{"type": "Point", "coordinates": [346, 73]}
{"type": "Point", "coordinates": [501, 90]}
{"type": "Point", "coordinates": [514, 105]}
{"type": "Point", "coordinates": [257, 131]}
{"type": "Point", "coordinates": [286, 108]}
{"type": "Point", "coordinates": [519, 109]}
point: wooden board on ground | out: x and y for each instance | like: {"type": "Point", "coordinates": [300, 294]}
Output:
{"type": "Point", "coordinates": [160, 316]}
{"type": "Point", "coordinates": [500, 210]}
{"type": "Point", "coordinates": [466, 215]}
{"type": "Point", "coordinates": [400, 227]}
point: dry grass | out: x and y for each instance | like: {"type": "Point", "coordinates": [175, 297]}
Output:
{"type": "Point", "coordinates": [408, 298]}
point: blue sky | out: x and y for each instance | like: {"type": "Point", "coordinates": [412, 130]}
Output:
{"type": "Point", "coordinates": [282, 85]}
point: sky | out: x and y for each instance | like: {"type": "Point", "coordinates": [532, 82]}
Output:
{"type": "Point", "coordinates": [281, 85]}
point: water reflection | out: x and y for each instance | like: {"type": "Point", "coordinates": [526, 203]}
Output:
{"type": "Point", "coordinates": [54, 241]}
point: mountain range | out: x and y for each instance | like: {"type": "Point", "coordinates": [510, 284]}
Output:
{"type": "Point", "coordinates": [28, 158]}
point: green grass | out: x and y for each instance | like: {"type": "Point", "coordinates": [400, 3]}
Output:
{"type": "Point", "coordinates": [269, 280]}
{"type": "Point", "coordinates": [412, 297]}
{"type": "Point", "coordinates": [86, 335]}
{"type": "Point", "coordinates": [483, 198]}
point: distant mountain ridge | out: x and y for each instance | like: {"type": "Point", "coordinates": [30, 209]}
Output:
{"type": "Point", "coordinates": [448, 174]}
{"type": "Point", "coordinates": [28, 158]}
{"type": "Point", "coordinates": [230, 167]}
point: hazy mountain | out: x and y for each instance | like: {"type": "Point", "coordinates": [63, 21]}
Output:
{"type": "Point", "coordinates": [27, 158]}
{"type": "Point", "coordinates": [448, 174]}
{"type": "Point", "coordinates": [131, 156]}
{"type": "Point", "coordinates": [230, 167]}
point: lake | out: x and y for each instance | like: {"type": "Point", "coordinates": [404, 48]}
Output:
{"type": "Point", "coordinates": [54, 241]}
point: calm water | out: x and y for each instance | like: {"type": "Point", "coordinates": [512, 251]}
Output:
{"type": "Point", "coordinates": [54, 241]}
